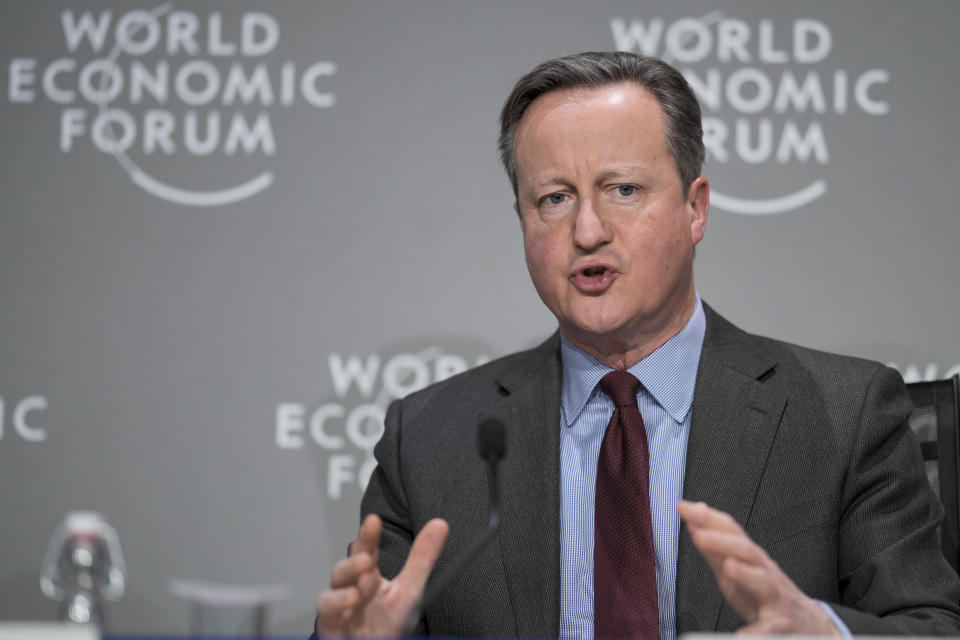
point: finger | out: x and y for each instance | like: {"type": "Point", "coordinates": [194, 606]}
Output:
{"type": "Point", "coordinates": [700, 514]}
{"type": "Point", "coordinates": [713, 557]}
{"type": "Point", "coordinates": [332, 604]}
{"type": "Point", "coordinates": [368, 537]}
{"type": "Point", "coordinates": [423, 556]}
{"type": "Point", "coordinates": [368, 585]}
{"type": "Point", "coordinates": [756, 582]}
{"type": "Point", "coordinates": [747, 588]}
{"type": "Point", "coordinates": [348, 570]}
{"type": "Point", "coordinates": [716, 545]}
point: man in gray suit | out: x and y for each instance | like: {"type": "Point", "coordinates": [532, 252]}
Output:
{"type": "Point", "coordinates": [799, 484]}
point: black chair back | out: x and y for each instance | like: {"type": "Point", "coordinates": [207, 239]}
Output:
{"type": "Point", "coordinates": [935, 417]}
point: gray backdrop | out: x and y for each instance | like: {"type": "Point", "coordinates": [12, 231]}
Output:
{"type": "Point", "coordinates": [202, 316]}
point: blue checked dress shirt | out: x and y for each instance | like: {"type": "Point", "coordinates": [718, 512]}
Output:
{"type": "Point", "coordinates": [667, 378]}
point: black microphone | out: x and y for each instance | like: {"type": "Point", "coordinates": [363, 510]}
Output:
{"type": "Point", "coordinates": [492, 439]}
{"type": "Point", "coordinates": [492, 443]}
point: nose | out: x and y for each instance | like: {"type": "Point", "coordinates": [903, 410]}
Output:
{"type": "Point", "coordinates": [590, 230]}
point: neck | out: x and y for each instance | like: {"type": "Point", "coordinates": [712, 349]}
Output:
{"type": "Point", "coordinates": [619, 353]}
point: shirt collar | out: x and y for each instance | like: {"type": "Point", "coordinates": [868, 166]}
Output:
{"type": "Point", "coordinates": [669, 374]}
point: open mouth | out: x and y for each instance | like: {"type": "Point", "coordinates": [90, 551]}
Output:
{"type": "Point", "coordinates": [595, 272]}
{"type": "Point", "coordinates": [593, 278]}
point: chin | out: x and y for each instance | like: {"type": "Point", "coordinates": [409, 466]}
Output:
{"type": "Point", "coordinates": [597, 327]}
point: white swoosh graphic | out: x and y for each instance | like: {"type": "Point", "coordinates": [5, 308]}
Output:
{"type": "Point", "coordinates": [745, 206]}
{"type": "Point", "coordinates": [770, 206]}
{"type": "Point", "coordinates": [160, 189]}
{"type": "Point", "coordinates": [201, 198]}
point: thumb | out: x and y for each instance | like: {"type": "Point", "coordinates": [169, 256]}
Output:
{"type": "Point", "coordinates": [423, 556]}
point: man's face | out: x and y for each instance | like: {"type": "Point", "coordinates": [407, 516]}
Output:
{"type": "Point", "coordinates": [608, 232]}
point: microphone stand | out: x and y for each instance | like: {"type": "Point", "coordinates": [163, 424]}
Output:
{"type": "Point", "coordinates": [466, 559]}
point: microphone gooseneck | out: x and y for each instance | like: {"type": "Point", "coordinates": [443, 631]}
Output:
{"type": "Point", "coordinates": [492, 446]}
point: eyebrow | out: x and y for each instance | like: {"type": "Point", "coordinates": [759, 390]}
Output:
{"type": "Point", "coordinates": [546, 182]}
{"type": "Point", "coordinates": [631, 171]}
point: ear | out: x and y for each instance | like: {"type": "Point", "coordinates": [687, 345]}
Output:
{"type": "Point", "coordinates": [698, 202]}
{"type": "Point", "coordinates": [516, 207]}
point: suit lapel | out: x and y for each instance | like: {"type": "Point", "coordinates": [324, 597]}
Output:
{"type": "Point", "coordinates": [733, 425]}
{"type": "Point", "coordinates": [529, 403]}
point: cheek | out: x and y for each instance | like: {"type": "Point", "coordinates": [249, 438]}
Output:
{"type": "Point", "coordinates": [673, 234]}
{"type": "Point", "coordinates": [537, 248]}
{"type": "Point", "coordinates": [544, 257]}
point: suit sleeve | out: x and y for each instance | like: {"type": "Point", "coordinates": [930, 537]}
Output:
{"type": "Point", "coordinates": [893, 576]}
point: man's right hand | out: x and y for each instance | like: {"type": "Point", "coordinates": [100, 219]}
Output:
{"type": "Point", "coordinates": [362, 603]}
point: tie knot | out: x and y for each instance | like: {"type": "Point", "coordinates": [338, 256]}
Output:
{"type": "Point", "coordinates": [621, 387]}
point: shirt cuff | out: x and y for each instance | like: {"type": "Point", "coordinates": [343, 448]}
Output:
{"type": "Point", "coordinates": [844, 630]}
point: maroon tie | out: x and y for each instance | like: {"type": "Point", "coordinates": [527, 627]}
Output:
{"type": "Point", "coordinates": [624, 560]}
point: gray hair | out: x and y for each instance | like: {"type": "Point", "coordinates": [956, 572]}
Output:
{"type": "Point", "coordinates": [683, 128]}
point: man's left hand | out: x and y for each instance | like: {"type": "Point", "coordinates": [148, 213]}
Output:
{"type": "Point", "coordinates": [752, 583]}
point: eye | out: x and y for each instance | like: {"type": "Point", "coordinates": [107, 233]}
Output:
{"type": "Point", "coordinates": [626, 190]}
{"type": "Point", "coordinates": [555, 198]}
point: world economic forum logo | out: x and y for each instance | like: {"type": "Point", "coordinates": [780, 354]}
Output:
{"type": "Point", "coordinates": [765, 89]}
{"type": "Point", "coordinates": [167, 82]}
{"type": "Point", "coordinates": [348, 423]}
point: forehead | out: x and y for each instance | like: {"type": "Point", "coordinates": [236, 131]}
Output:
{"type": "Point", "coordinates": [590, 128]}
{"type": "Point", "coordinates": [588, 103]}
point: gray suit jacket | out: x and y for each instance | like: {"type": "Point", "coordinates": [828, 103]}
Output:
{"type": "Point", "coordinates": [809, 451]}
